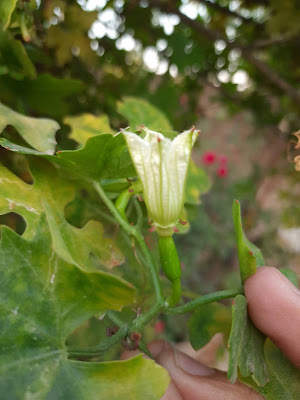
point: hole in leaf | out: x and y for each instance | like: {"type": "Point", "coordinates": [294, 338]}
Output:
{"type": "Point", "coordinates": [18, 164]}
{"type": "Point", "coordinates": [14, 221]}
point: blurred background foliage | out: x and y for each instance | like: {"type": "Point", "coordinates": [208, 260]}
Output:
{"type": "Point", "coordinates": [231, 67]}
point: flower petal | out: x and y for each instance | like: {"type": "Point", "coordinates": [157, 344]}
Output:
{"type": "Point", "coordinates": [162, 166]}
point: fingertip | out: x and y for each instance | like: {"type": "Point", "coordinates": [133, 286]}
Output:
{"type": "Point", "coordinates": [158, 346]}
{"type": "Point", "coordinates": [172, 393]}
{"type": "Point", "coordinates": [274, 307]}
{"type": "Point", "coordinates": [195, 381]}
{"type": "Point", "coordinates": [155, 348]}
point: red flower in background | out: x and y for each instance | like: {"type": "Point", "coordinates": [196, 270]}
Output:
{"type": "Point", "coordinates": [209, 157]}
{"type": "Point", "coordinates": [159, 326]}
{"type": "Point", "coordinates": [222, 171]}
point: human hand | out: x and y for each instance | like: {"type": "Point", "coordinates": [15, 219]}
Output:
{"type": "Point", "coordinates": [274, 307]}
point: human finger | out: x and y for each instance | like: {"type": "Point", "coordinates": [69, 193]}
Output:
{"type": "Point", "coordinates": [195, 381]}
{"type": "Point", "coordinates": [274, 307]}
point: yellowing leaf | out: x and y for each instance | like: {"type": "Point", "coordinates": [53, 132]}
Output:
{"type": "Point", "coordinates": [87, 125]}
{"type": "Point", "coordinates": [71, 36]}
{"type": "Point", "coordinates": [42, 300]}
{"type": "Point", "coordinates": [50, 195]}
{"type": "Point", "coordinates": [38, 132]}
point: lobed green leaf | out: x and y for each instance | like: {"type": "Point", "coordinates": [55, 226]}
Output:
{"type": "Point", "coordinates": [42, 300]}
{"type": "Point", "coordinates": [49, 194]}
{"type": "Point", "coordinates": [37, 132]}
{"type": "Point", "coordinates": [140, 112]}
{"type": "Point", "coordinates": [284, 377]}
{"type": "Point", "coordinates": [103, 157]}
{"type": "Point", "coordinates": [246, 346]}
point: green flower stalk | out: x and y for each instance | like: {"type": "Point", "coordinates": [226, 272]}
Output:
{"type": "Point", "coordinates": [171, 266]}
{"type": "Point", "coordinates": [162, 166]}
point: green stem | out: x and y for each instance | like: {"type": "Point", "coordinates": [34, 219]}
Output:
{"type": "Point", "coordinates": [133, 231]}
{"type": "Point", "coordinates": [96, 351]}
{"type": "Point", "coordinates": [208, 298]}
{"type": "Point", "coordinates": [175, 296]}
{"type": "Point", "coordinates": [189, 294]}
{"type": "Point", "coordinates": [170, 264]}
{"type": "Point", "coordinates": [138, 324]}
{"type": "Point", "coordinates": [139, 212]}
{"type": "Point", "coordinates": [153, 271]}
{"type": "Point", "coordinates": [122, 203]}
{"type": "Point", "coordinates": [143, 347]}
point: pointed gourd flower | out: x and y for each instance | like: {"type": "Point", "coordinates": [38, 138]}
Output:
{"type": "Point", "coordinates": [162, 166]}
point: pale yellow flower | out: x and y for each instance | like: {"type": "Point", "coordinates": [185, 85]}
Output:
{"type": "Point", "coordinates": [162, 166]}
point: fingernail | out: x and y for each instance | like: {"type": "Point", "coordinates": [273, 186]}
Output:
{"type": "Point", "coordinates": [287, 282]}
{"type": "Point", "coordinates": [190, 365]}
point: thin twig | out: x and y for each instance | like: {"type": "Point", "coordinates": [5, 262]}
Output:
{"type": "Point", "coordinates": [246, 52]}
{"type": "Point", "coordinates": [226, 11]}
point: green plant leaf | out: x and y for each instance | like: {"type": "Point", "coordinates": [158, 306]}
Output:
{"type": "Point", "coordinates": [72, 32]}
{"type": "Point", "coordinates": [291, 275]}
{"type": "Point", "coordinates": [43, 299]}
{"type": "Point", "coordinates": [87, 125]}
{"type": "Point", "coordinates": [206, 322]}
{"type": "Point", "coordinates": [284, 382]}
{"type": "Point", "coordinates": [140, 112]}
{"type": "Point", "coordinates": [49, 195]}
{"type": "Point", "coordinates": [14, 58]}
{"type": "Point", "coordinates": [197, 184]}
{"type": "Point", "coordinates": [46, 95]}
{"type": "Point", "coordinates": [104, 156]}
{"type": "Point", "coordinates": [249, 255]}
{"type": "Point", "coordinates": [246, 346]}
{"type": "Point", "coordinates": [6, 9]}
{"type": "Point", "coordinates": [30, 129]}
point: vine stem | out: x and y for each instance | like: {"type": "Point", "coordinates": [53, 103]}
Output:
{"type": "Point", "coordinates": [96, 351]}
{"type": "Point", "coordinates": [208, 298]}
{"type": "Point", "coordinates": [133, 231]}
{"type": "Point", "coordinates": [138, 324]}
{"type": "Point", "coordinates": [160, 305]}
